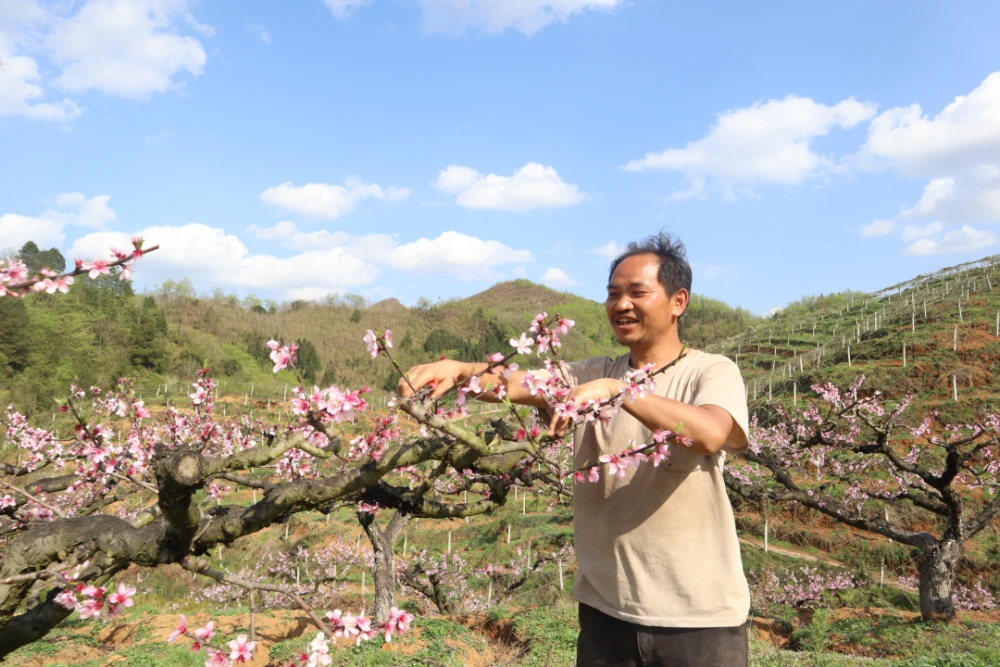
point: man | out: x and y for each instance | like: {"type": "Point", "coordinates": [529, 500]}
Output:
{"type": "Point", "coordinates": [660, 577]}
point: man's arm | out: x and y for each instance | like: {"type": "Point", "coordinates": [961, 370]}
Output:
{"type": "Point", "coordinates": [445, 374]}
{"type": "Point", "coordinates": [709, 427]}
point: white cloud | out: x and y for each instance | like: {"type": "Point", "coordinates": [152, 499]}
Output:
{"type": "Point", "coordinates": [961, 240]}
{"type": "Point", "coordinates": [935, 192]}
{"type": "Point", "coordinates": [342, 9]}
{"type": "Point", "coordinates": [911, 232]}
{"type": "Point", "coordinates": [210, 256]}
{"type": "Point", "coordinates": [262, 33]}
{"type": "Point", "coordinates": [557, 278]}
{"type": "Point", "coordinates": [93, 212]}
{"type": "Point", "coordinates": [322, 200]}
{"type": "Point", "coordinates": [48, 229]}
{"type": "Point", "coordinates": [201, 28]}
{"type": "Point", "coordinates": [966, 131]}
{"type": "Point", "coordinates": [767, 143]}
{"type": "Point", "coordinates": [289, 234]}
{"type": "Point", "coordinates": [878, 228]}
{"type": "Point", "coordinates": [526, 16]}
{"type": "Point", "coordinates": [127, 48]}
{"type": "Point", "coordinates": [957, 150]}
{"type": "Point", "coordinates": [20, 92]}
{"type": "Point", "coordinates": [454, 252]}
{"type": "Point", "coordinates": [609, 250]}
{"type": "Point", "coordinates": [532, 186]}
{"type": "Point", "coordinates": [337, 263]}
{"type": "Point", "coordinates": [16, 230]}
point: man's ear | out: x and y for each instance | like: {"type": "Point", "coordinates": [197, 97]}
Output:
{"type": "Point", "coordinates": [679, 302]}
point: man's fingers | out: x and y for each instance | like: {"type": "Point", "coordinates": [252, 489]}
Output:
{"type": "Point", "coordinates": [557, 426]}
{"type": "Point", "coordinates": [441, 387]}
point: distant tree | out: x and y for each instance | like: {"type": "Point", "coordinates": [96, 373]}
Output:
{"type": "Point", "coordinates": [253, 302]}
{"type": "Point", "coordinates": [37, 259]}
{"type": "Point", "coordinates": [356, 316]}
{"type": "Point", "coordinates": [15, 338]}
{"type": "Point", "coordinates": [354, 300]}
{"type": "Point", "coordinates": [439, 340]}
{"type": "Point", "coordinates": [308, 359]}
{"type": "Point", "coordinates": [149, 350]}
{"type": "Point", "coordinates": [172, 289]}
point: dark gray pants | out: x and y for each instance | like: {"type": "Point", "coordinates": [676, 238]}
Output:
{"type": "Point", "coordinates": [606, 641]}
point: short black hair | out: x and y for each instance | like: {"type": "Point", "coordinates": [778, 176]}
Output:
{"type": "Point", "coordinates": [674, 272]}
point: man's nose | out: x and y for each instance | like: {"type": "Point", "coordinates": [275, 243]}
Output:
{"type": "Point", "coordinates": [622, 304]}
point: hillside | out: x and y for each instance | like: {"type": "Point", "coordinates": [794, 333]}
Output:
{"type": "Point", "coordinates": [103, 330]}
{"type": "Point", "coordinates": [948, 323]}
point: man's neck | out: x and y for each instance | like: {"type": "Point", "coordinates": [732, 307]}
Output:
{"type": "Point", "coordinates": [659, 354]}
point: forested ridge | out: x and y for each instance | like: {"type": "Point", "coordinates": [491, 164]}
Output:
{"type": "Point", "coordinates": [103, 329]}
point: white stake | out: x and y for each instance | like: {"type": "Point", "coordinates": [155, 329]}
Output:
{"type": "Point", "coordinates": [449, 542]}
{"type": "Point", "coordinates": [404, 543]}
{"type": "Point", "coordinates": [508, 533]}
{"type": "Point", "coordinates": [904, 355]}
{"type": "Point", "coordinates": [795, 393]}
{"type": "Point", "coordinates": [959, 310]}
{"type": "Point", "coordinates": [766, 522]}
{"type": "Point", "coordinates": [954, 387]}
{"type": "Point", "coordinates": [524, 504]}
{"type": "Point", "coordinates": [848, 355]}
{"type": "Point", "coordinates": [560, 576]}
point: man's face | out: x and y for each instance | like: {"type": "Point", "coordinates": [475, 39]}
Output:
{"type": "Point", "coordinates": [639, 308]}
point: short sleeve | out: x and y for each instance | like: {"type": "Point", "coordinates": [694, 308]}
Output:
{"type": "Point", "coordinates": [721, 384]}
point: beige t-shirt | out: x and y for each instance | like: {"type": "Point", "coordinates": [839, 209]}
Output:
{"type": "Point", "coordinates": [659, 547]}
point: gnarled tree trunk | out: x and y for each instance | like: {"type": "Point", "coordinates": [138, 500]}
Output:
{"type": "Point", "coordinates": [383, 541]}
{"type": "Point", "coordinates": [937, 578]}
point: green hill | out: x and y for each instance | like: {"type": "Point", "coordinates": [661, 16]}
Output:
{"type": "Point", "coordinates": [102, 330]}
{"type": "Point", "coordinates": [948, 322]}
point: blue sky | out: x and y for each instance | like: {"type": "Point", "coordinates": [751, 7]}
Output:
{"type": "Point", "coordinates": [430, 148]}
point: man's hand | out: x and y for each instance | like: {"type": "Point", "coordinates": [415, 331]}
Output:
{"type": "Point", "coordinates": [441, 375]}
{"type": "Point", "coordinates": [595, 390]}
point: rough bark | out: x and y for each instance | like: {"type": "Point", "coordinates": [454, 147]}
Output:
{"type": "Point", "coordinates": [383, 542]}
{"type": "Point", "coordinates": [937, 578]}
